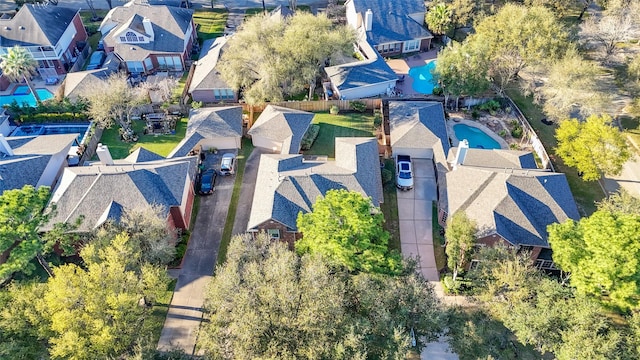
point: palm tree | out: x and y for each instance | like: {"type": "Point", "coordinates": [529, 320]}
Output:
{"type": "Point", "coordinates": [18, 64]}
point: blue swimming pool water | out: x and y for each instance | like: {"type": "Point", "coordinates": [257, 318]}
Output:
{"type": "Point", "coordinates": [21, 90]}
{"type": "Point", "coordinates": [29, 99]}
{"type": "Point", "coordinates": [422, 78]}
{"type": "Point", "coordinates": [477, 138]}
{"type": "Point", "coordinates": [31, 130]}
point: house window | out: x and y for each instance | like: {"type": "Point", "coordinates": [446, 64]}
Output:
{"type": "Point", "coordinates": [274, 234]}
{"type": "Point", "coordinates": [474, 264]}
{"type": "Point", "coordinates": [389, 48]}
{"type": "Point", "coordinates": [148, 64]}
{"type": "Point", "coordinates": [545, 264]}
{"type": "Point", "coordinates": [169, 63]}
{"type": "Point", "coordinates": [140, 38]}
{"type": "Point", "coordinates": [131, 37]}
{"type": "Point", "coordinates": [411, 45]}
{"type": "Point", "coordinates": [223, 94]}
{"type": "Point", "coordinates": [135, 66]}
{"type": "Point", "coordinates": [123, 39]}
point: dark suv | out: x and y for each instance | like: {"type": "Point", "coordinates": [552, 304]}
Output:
{"type": "Point", "coordinates": [207, 182]}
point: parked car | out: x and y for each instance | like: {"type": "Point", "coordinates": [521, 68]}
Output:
{"type": "Point", "coordinates": [96, 59]}
{"type": "Point", "coordinates": [228, 164]}
{"type": "Point", "coordinates": [207, 182]}
{"type": "Point", "coordinates": [404, 174]}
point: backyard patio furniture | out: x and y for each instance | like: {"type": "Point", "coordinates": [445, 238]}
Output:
{"type": "Point", "coordinates": [51, 81]}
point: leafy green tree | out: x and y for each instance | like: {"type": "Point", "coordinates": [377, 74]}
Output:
{"type": "Point", "coordinates": [560, 8]}
{"type": "Point", "coordinates": [463, 12]}
{"type": "Point", "coordinates": [602, 253]}
{"type": "Point", "coordinates": [621, 201]}
{"type": "Point", "coordinates": [20, 216]}
{"type": "Point", "coordinates": [462, 70]}
{"type": "Point", "coordinates": [347, 229]}
{"type": "Point", "coordinates": [95, 310]}
{"type": "Point", "coordinates": [270, 58]}
{"type": "Point", "coordinates": [268, 302]}
{"type": "Point", "coordinates": [439, 18]}
{"type": "Point", "coordinates": [461, 237]}
{"type": "Point", "coordinates": [574, 85]}
{"type": "Point", "coordinates": [17, 64]}
{"type": "Point", "coordinates": [517, 37]}
{"type": "Point", "coordinates": [594, 147]}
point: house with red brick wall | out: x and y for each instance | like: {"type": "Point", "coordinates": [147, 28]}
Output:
{"type": "Point", "coordinates": [509, 198]}
{"type": "Point", "coordinates": [148, 38]}
{"type": "Point", "coordinates": [289, 184]}
{"type": "Point", "coordinates": [102, 191]}
{"type": "Point", "coordinates": [53, 35]}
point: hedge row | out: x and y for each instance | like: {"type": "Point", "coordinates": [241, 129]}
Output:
{"type": "Point", "coordinates": [309, 137]}
{"type": "Point", "coordinates": [53, 117]}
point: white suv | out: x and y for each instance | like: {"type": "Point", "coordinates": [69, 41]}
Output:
{"type": "Point", "coordinates": [228, 164]}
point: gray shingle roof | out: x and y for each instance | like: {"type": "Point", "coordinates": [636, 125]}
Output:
{"type": "Point", "coordinates": [515, 204]}
{"type": "Point", "coordinates": [391, 20]}
{"type": "Point", "coordinates": [290, 185]}
{"type": "Point", "coordinates": [78, 83]}
{"type": "Point", "coordinates": [32, 155]}
{"type": "Point", "coordinates": [497, 158]}
{"type": "Point", "coordinates": [418, 124]}
{"type": "Point", "coordinates": [36, 24]}
{"type": "Point", "coordinates": [205, 75]}
{"type": "Point", "coordinates": [99, 192]}
{"type": "Point", "coordinates": [170, 25]}
{"type": "Point", "coordinates": [284, 125]}
{"type": "Point", "coordinates": [141, 154]}
{"type": "Point", "coordinates": [206, 123]}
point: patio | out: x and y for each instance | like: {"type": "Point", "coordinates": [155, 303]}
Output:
{"type": "Point", "coordinates": [159, 124]}
{"type": "Point", "coordinates": [401, 67]}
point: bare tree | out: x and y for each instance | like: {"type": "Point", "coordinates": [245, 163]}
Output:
{"type": "Point", "coordinates": [114, 100]}
{"type": "Point", "coordinates": [610, 29]}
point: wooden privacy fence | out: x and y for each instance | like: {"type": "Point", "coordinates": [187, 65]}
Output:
{"type": "Point", "coordinates": [317, 105]}
{"type": "Point", "coordinates": [529, 133]}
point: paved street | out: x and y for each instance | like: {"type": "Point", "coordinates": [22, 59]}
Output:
{"type": "Point", "coordinates": [184, 316]}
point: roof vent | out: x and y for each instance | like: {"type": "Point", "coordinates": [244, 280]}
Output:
{"type": "Point", "coordinates": [21, 27]}
{"type": "Point", "coordinates": [7, 28]}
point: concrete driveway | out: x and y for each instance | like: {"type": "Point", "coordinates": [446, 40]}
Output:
{"type": "Point", "coordinates": [415, 218]}
{"type": "Point", "coordinates": [246, 192]}
{"type": "Point", "coordinates": [185, 314]}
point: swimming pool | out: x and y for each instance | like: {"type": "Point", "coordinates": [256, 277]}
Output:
{"type": "Point", "coordinates": [51, 129]}
{"type": "Point", "coordinates": [25, 97]}
{"type": "Point", "coordinates": [422, 78]}
{"type": "Point", "coordinates": [477, 138]}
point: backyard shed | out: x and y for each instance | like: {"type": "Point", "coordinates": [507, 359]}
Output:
{"type": "Point", "coordinates": [280, 129]}
{"type": "Point", "coordinates": [209, 128]}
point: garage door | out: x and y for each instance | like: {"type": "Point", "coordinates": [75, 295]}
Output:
{"type": "Point", "coordinates": [221, 143]}
{"type": "Point", "coordinates": [420, 153]}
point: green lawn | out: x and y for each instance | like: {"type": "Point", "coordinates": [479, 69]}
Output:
{"type": "Point", "coordinates": [247, 148]}
{"type": "Point", "coordinates": [210, 23]}
{"type": "Point", "coordinates": [341, 125]}
{"type": "Point", "coordinates": [390, 209]}
{"type": "Point", "coordinates": [155, 320]}
{"type": "Point", "coordinates": [93, 25]}
{"type": "Point", "coordinates": [585, 193]}
{"type": "Point", "coordinates": [159, 144]}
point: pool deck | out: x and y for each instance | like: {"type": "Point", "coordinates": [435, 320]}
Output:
{"type": "Point", "coordinates": [37, 82]}
{"type": "Point", "coordinates": [402, 66]}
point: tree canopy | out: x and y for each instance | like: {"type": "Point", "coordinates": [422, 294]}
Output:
{"type": "Point", "coordinates": [18, 64]}
{"type": "Point", "coordinates": [347, 229]}
{"type": "Point", "coordinates": [268, 302]}
{"type": "Point", "coordinates": [602, 253]}
{"type": "Point", "coordinates": [91, 311]}
{"type": "Point", "coordinates": [594, 147]}
{"type": "Point", "coordinates": [461, 237]}
{"type": "Point", "coordinates": [20, 217]}
{"type": "Point", "coordinates": [270, 58]}
{"type": "Point", "coordinates": [439, 18]}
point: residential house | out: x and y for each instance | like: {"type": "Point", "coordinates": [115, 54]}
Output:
{"type": "Point", "coordinates": [511, 205]}
{"type": "Point", "coordinates": [77, 84]}
{"type": "Point", "coordinates": [392, 27]}
{"type": "Point", "coordinates": [207, 85]}
{"type": "Point", "coordinates": [280, 129]}
{"type": "Point", "coordinates": [33, 160]}
{"type": "Point", "coordinates": [148, 38]}
{"type": "Point", "coordinates": [289, 184]}
{"type": "Point", "coordinates": [102, 191]}
{"type": "Point", "coordinates": [384, 28]}
{"type": "Point", "coordinates": [491, 158]}
{"type": "Point", "coordinates": [53, 35]}
{"type": "Point", "coordinates": [211, 128]}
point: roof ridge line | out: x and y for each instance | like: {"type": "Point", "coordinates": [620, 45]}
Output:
{"type": "Point", "coordinates": [83, 197]}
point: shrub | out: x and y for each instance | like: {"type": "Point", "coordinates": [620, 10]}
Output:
{"type": "Point", "coordinates": [194, 105]}
{"type": "Point", "coordinates": [358, 106]}
{"type": "Point", "coordinates": [514, 146]}
{"type": "Point", "coordinates": [52, 117]}
{"type": "Point", "coordinates": [91, 29]}
{"type": "Point", "coordinates": [517, 132]}
{"type": "Point", "coordinates": [309, 137]}
{"type": "Point", "coordinates": [334, 110]}
{"type": "Point", "coordinates": [475, 114]}
{"type": "Point", "coordinates": [377, 120]}
{"type": "Point", "coordinates": [450, 286]}
{"type": "Point", "coordinates": [491, 106]}
{"type": "Point", "coordinates": [502, 133]}
{"type": "Point", "coordinates": [437, 91]}
{"type": "Point", "coordinates": [387, 176]}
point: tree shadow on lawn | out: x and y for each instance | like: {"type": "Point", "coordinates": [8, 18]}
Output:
{"type": "Point", "coordinates": [325, 142]}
